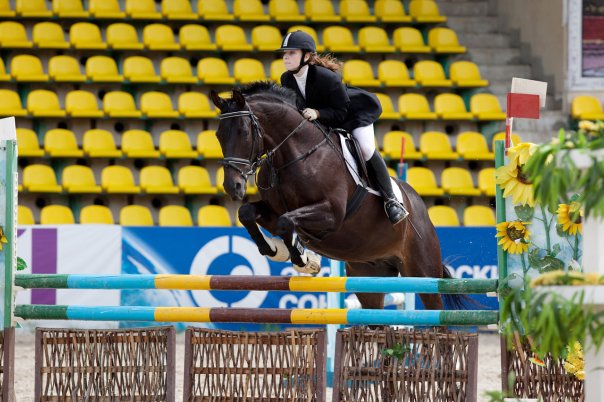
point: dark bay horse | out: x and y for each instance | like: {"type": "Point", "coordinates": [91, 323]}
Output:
{"type": "Point", "coordinates": [304, 187]}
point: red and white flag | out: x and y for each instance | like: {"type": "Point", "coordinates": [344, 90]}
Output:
{"type": "Point", "coordinates": [524, 101]}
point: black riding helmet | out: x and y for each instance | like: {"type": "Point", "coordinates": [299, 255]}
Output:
{"type": "Point", "coordinates": [299, 40]}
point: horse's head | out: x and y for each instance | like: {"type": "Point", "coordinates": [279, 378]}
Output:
{"type": "Point", "coordinates": [240, 137]}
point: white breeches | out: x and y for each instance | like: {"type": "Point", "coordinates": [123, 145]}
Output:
{"type": "Point", "coordinates": [366, 139]}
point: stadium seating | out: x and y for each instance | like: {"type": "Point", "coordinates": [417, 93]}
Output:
{"type": "Point", "coordinates": [159, 37]}
{"type": "Point", "coordinates": [3, 75]}
{"type": "Point", "coordinates": [82, 104]}
{"type": "Point", "coordinates": [29, 146]}
{"type": "Point", "coordinates": [388, 112]}
{"type": "Point", "coordinates": [586, 108]}
{"type": "Point", "coordinates": [415, 107]}
{"type": "Point", "coordinates": [70, 9]}
{"type": "Point", "coordinates": [195, 37]}
{"type": "Point", "coordinates": [214, 10]}
{"type": "Point", "coordinates": [96, 215]}
{"type": "Point", "coordinates": [338, 39]}
{"type": "Point", "coordinates": [99, 143]}
{"type": "Point", "coordinates": [25, 216]}
{"type": "Point", "coordinates": [436, 145]}
{"type": "Point", "coordinates": [32, 9]}
{"type": "Point", "coordinates": [77, 179]}
{"type": "Point", "coordinates": [26, 68]}
{"type": "Point", "coordinates": [249, 10]}
{"type": "Point", "coordinates": [458, 181]}
{"type": "Point", "coordinates": [176, 144]}
{"type": "Point", "coordinates": [175, 215]}
{"type": "Point", "coordinates": [65, 69]}
{"type": "Point", "coordinates": [473, 146]}
{"type": "Point", "coordinates": [356, 11]}
{"type": "Point", "coordinates": [177, 10]}
{"type": "Point", "coordinates": [425, 11]}
{"type": "Point", "coordinates": [118, 180]}
{"type": "Point", "coordinates": [102, 69]}
{"type": "Point", "coordinates": [213, 215]}
{"type": "Point", "coordinates": [390, 11]}
{"type": "Point", "coordinates": [61, 143]}
{"type": "Point", "coordinates": [157, 105]}
{"type": "Point", "coordinates": [501, 137]}
{"type": "Point", "coordinates": [423, 181]}
{"type": "Point", "coordinates": [43, 103]}
{"type": "Point", "coordinates": [105, 9]}
{"type": "Point", "coordinates": [248, 70]}
{"type": "Point", "coordinates": [135, 215]}
{"type": "Point", "coordinates": [120, 104]}
{"type": "Point", "coordinates": [359, 73]}
{"type": "Point", "coordinates": [478, 215]}
{"type": "Point", "coordinates": [212, 70]}
{"type": "Point", "coordinates": [157, 180]}
{"type": "Point", "coordinates": [451, 107]}
{"type": "Point", "coordinates": [442, 215]}
{"type": "Point", "coordinates": [122, 36]}
{"type": "Point", "coordinates": [142, 9]}
{"type": "Point", "coordinates": [10, 104]}
{"type": "Point", "coordinates": [195, 180]}
{"type": "Point", "coordinates": [444, 40]}
{"type": "Point", "coordinates": [231, 38]}
{"type": "Point", "coordinates": [49, 35]}
{"type": "Point", "coordinates": [266, 38]}
{"type": "Point", "coordinates": [12, 35]}
{"type": "Point", "coordinates": [285, 11]}
{"type": "Point", "coordinates": [138, 144]}
{"type": "Point", "coordinates": [195, 105]}
{"type": "Point", "coordinates": [466, 74]}
{"type": "Point", "coordinates": [486, 181]}
{"type": "Point", "coordinates": [320, 11]}
{"type": "Point", "coordinates": [486, 107]}
{"type": "Point", "coordinates": [56, 215]}
{"type": "Point", "coordinates": [40, 179]}
{"type": "Point", "coordinates": [86, 35]}
{"type": "Point", "coordinates": [375, 40]}
{"type": "Point", "coordinates": [409, 40]}
{"type": "Point", "coordinates": [392, 146]}
{"type": "Point", "coordinates": [5, 10]}
{"type": "Point", "coordinates": [429, 73]}
{"type": "Point", "coordinates": [139, 69]}
{"type": "Point", "coordinates": [208, 145]}
{"type": "Point", "coordinates": [394, 73]}
{"type": "Point", "coordinates": [177, 70]}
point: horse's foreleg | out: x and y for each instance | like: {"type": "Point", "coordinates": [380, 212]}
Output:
{"type": "Point", "coordinates": [250, 214]}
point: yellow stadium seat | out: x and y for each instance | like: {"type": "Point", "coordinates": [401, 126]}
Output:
{"type": "Point", "coordinates": [99, 143]}
{"type": "Point", "coordinates": [85, 35]}
{"type": "Point", "coordinates": [359, 73]}
{"type": "Point", "coordinates": [138, 144]}
{"type": "Point", "coordinates": [212, 70]}
{"type": "Point", "coordinates": [40, 179]}
{"type": "Point", "coordinates": [266, 38]}
{"type": "Point", "coordinates": [231, 38]}
{"type": "Point", "coordinates": [213, 215]}
{"type": "Point", "coordinates": [208, 145]}
{"type": "Point", "coordinates": [96, 215]}
{"type": "Point", "coordinates": [486, 181]}
{"type": "Point", "coordinates": [466, 74]}
{"type": "Point", "coordinates": [10, 104]}
{"type": "Point", "coordinates": [458, 181]}
{"type": "Point", "coordinates": [338, 39]}
{"type": "Point", "coordinates": [415, 107]}
{"type": "Point", "coordinates": [5, 10]}
{"type": "Point", "coordinates": [12, 34]}
{"type": "Point", "coordinates": [444, 40]}
{"type": "Point", "coordinates": [285, 11]}
{"type": "Point", "coordinates": [473, 146]}
{"type": "Point", "coordinates": [175, 215]}
{"type": "Point", "coordinates": [309, 30]}
{"type": "Point", "coordinates": [32, 8]}
{"type": "Point", "coordinates": [390, 11]}
{"type": "Point", "coordinates": [105, 9]}
{"type": "Point", "coordinates": [25, 216]}
{"type": "Point", "coordinates": [43, 103]}
{"type": "Point", "coordinates": [195, 180]}
{"type": "Point", "coordinates": [501, 137]}
{"type": "Point", "coordinates": [442, 215]}
{"type": "Point", "coordinates": [277, 70]}
{"type": "Point", "coordinates": [436, 145]}
{"type": "Point", "coordinates": [102, 69]}
{"type": "Point", "coordinates": [56, 215]}
{"type": "Point", "coordinates": [248, 70]}
{"type": "Point", "coordinates": [82, 104]}
{"type": "Point", "coordinates": [122, 36]}
{"type": "Point", "coordinates": [159, 37]}
{"type": "Point", "coordinates": [424, 11]}
{"type": "Point", "coordinates": [69, 9]}
{"type": "Point", "coordinates": [388, 112]}
{"type": "Point", "coordinates": [356, 11]}
{"type": "Point", "coordinates": [392, 146]}
{"type": "Point", "coordinates": [142, 9]}
{"type": "Point", "coordinates": [61, 143]}
{"type": "Point", "coordinates": [375, 40]}
{"type": "Point", "coordinates": [135, 215]}
{"type": "Point", "coordinates": [195, 105]}
{"type": "Point", "coordinates": [29, 146]}
{"type": "Point", "coordinates": [195, 37]}
{"type": "Point", "coordinates": [177, 70]}
{"type": "Point", "coordinates": [65, 69]}
{"type": "Point", "coordinates": [177, 10]}
{"type": "Point", "coordinates": [430, 73]}
{"type": "Point", "coordinates": [157, 105]}
{"type": "Point", "coordinates": [118, 180]}
{"type": "Point", "coordinates": [79, 179]}
{"type": "Point", "coordinates": [139, 69]}
{"type": "Point", "coordinates": [3, 75]}
{"type": "Point", "coordinates": [26, 68]}
{"type": "Point", "coordinates": [451, 107]}
{"type": "Point", "coordinates": [586, 107]}
{"type": "Point", "coordinates": [320, 11]}
{"type": "Point", "coordinates": [49, 35]}
{"type": "Point", "coordinates": [157, 180]}
{"type": "Point", "coordinates": [409, 40]}
{"type": "Point", "coordinates": [478, 215]}
{"type": "Point", "coordinates": [120, 104]}
{"type": "Point", "coordinates": [176, 144]}
{"type": "Point", "coordinates": [486, 107]}
{"type": "Point", "coordinates": [394, 73]}
{"type": "Point", "coordinates": [220, 180]}
{"type": "Point", "coordinates": [423, 181]}
{"type": "Point", "coordinates": [249, 10]}
{"type": "Point", "coordinates": [214, 10]}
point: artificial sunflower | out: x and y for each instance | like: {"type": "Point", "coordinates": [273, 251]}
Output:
{"type": "Point", "coordinates": [575, 363]}
{"type": "Point", "coordinates": [514, 236]}
{"type": "Point", "coordinates": [569, 216]}
{"type": "Point", "coordinates": [519, 154]}
{"type": "Point", "coordinates": [3, 238]}
{"type": "Point", "coordinates": [515, 183]}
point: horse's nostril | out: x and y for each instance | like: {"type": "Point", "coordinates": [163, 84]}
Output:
{"type": "Point", "coordinates": [238, 186]}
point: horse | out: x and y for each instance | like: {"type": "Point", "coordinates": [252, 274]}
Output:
{"type": "Point", "coordinates": [305, 188]}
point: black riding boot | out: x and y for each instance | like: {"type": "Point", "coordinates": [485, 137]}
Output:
{"type": "Point", "coordinates": [378, 173]}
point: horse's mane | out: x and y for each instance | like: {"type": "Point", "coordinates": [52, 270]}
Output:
{"type": "Point", "coordinates": [272, 90]}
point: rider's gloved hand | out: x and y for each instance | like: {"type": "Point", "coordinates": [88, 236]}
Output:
{"type": "Point", "coordinates": [310, 114]}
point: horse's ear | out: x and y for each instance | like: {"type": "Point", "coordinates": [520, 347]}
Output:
{"type": "Point", "coordinates": [218, 101]}
{"type": "Point", "coordinates": [238, 97]}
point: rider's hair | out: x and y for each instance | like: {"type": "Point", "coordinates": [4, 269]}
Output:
{"type": "Point", "coordinates": [327, 61]}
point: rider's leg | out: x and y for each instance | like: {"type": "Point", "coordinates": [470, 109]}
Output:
{"type": "Point", "coordinates": [377, 168]}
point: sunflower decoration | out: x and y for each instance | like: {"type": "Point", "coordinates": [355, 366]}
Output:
{"type": "Point", "coordinates": [513, 236]}
{"type": "Point", "coordinates": [575, 363]}
{"type": "Point", "coordinates": [3, 239]}
{"type": "Point", "coordinates": [512, 179]}
{"type": "Point", "coordinates": [569, 217]}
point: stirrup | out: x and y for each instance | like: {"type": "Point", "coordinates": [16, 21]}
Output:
{"type": "Point", "coordinates": [397, 217]}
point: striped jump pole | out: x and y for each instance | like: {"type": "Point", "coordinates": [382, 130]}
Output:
{"type": "Point", "coordinates": [261, 316]}
{"type": "Point", "coordinates": [260, 283]}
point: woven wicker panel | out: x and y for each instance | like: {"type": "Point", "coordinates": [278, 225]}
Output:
{"type": "Point", "coordinates": [550, 383]}
{"type": "Point", "coordinates": [105, 365]}
{"type": "Point", "coordinates": [433, 366]}
{"type": "Point", "coordinates": [254, 366]}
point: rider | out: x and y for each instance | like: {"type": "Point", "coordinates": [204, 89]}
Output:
{"type": "Point", "coordinates": [316, 80]}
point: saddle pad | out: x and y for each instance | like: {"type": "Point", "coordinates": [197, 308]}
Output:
{"type": "Point", "coordinates": [353, 169]}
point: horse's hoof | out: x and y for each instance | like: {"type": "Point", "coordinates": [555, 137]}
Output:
{"type": "Point", "coordinates": [312, 266]}
{"type": "Point", "coordinates": [279, 248]}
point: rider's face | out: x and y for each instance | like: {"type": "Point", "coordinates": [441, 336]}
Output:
{"type": "Point", "coordinates": [291, 59]}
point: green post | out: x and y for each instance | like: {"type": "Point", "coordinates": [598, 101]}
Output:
{"type": "Point", "coordinates": [10, 230]}
{"type": "Point", "coordinates": [502, 256]}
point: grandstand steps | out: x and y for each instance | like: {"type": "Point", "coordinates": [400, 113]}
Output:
{"type": "Point", "coordinates": [541, 130]}
{"type": "Point", "coordinates": [495, 56]}
{"type": "Point", "coordinates": [474, 24]}
{"type": "Point", "coordinates": [494, 40]}
{"type": "Point", "coordinates": [463, 8]}
{"type": "Point", "coordinates": [495, 72]}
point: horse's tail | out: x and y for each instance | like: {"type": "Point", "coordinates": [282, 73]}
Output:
{"type": "Point", "coordinates": [457, 301]}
